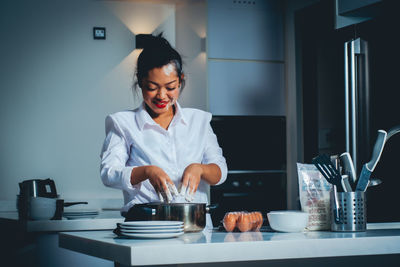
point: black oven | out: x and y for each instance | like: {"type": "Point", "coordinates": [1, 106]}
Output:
{"type": "Point", "coordinates": [255, 151]}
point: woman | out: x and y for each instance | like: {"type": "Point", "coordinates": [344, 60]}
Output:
{"type": "Point", "coordinates": [151, 151]}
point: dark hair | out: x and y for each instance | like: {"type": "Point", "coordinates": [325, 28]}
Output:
{"type": "Point", "coordinates": [157, 52]}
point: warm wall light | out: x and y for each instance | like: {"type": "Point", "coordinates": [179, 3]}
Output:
{"type": "Point", "coordinates": [203, 44]}
{"type": "Point", "coordinates": [142, 40]}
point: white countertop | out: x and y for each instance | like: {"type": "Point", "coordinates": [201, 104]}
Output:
{"type": "Point", "coordinates": [213, 246]}
{"type": "Point", "coordinates": [104, 221]}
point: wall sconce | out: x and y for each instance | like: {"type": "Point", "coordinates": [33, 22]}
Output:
{"type": "Point", "coordinates": [203, 44]}
{"type": "Point", "coordinates": [142, 40]}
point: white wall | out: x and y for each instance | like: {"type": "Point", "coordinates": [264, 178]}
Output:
{"type": "Point", "coordinates": [57, 85]}
{"type": "Point", "coordinates": [191, 29]}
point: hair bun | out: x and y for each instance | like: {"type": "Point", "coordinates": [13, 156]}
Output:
{"type": "Point", "coordinates": [150, 42]}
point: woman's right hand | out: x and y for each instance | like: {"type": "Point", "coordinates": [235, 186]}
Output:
{"type": "Point", "coordinates": [161, 182]}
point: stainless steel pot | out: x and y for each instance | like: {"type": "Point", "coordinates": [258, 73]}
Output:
{"type": "Point", "coordinates": [193, 215]}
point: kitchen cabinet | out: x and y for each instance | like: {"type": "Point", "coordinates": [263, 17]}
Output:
{"type": "Point", "coordinates": [351, 12]}
{"type": "Point", "coordinates": [251, 30]}
{"type": "Point", "coordinates": [356, 7]}
{"type": "Point", "coordinates": [246, 88]}
{"type": "Point", "coordinates": [245, 57]}
{"type": "Point", "coordinates": [35, 243]}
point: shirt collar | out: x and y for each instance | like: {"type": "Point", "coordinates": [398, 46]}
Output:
{"type": "Point", "coordinates": [143, 118]}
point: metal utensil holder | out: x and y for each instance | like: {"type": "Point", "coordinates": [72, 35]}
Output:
{"type": "Point", "coordinates": [349, 211]}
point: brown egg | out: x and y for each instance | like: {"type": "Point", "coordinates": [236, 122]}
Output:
{"type": "Point", "coordinates": [253, 220]}
{"type": "Point", "coordinates": [229, 221]}
{"type": "Point", "coordinates": [243, 222]}
{"type": "Point", "coordinates": [259, 221]}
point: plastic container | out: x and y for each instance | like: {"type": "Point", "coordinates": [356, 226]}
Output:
{"type": "Point", "coordinates": [242, 221]}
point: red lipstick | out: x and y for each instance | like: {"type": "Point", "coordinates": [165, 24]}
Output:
{"type": "Point", "coordinates": [161, 104]}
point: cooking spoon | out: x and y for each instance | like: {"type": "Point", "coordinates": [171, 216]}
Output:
{"type": "Point", "coordinates": [369, 167]}
{"type": "Point", "coordinates": [374, 182]}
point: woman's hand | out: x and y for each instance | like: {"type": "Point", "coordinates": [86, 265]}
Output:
{"type": "Point", "coordinates": [161, 182]}
{"type": "Point", "coordinates": [190, 180]}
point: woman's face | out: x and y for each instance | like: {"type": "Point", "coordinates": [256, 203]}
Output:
{"type": "Point", "coordinates": [160, 89]}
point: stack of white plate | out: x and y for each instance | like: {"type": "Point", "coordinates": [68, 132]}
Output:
{"type": "Point", "coordinates": [74, 214]}
{"type": "Point", "coordinates": [151, 229]}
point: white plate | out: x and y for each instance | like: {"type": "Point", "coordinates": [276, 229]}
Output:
{"type": "Point", "coordinates": [155, 235]}
{"type": "Point", "coordinates": [80, 210]}
{"type": "Point", "coordinates": [81, 213]}
{"type": "Point", "coordinates": [152, 223]}
{"type": "Point", "coordinates": [79, 217]}
{"type": "Point", "coordinates": [151, 231]}
{"type": "Point", "coordinates": [151, 227]}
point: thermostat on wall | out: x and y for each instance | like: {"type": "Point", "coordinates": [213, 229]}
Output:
{"type": "Point", "coordinates": [99, 33]}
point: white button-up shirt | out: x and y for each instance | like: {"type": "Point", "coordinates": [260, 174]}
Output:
{"type": "Point", "coordinates": [134, 139]}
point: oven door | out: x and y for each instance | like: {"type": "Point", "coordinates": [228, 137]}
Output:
{"type": "Point", "coordinates": [249, 191]}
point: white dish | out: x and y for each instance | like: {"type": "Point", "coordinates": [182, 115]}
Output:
{"type": "Point", "coordinates": [151, 227]}
{"type": "Point", "coordinates": [152, 236]}
{"type": "Point", "coordinates": [69, 217]}
{"type": "Point", "coordinates": [152, 223]}
{"type": "Point", "coordinates": [151, 231]}
{"type": "Point", "coordinates": [66, 210]}
{"type": "Point", "coordinates": [81, 213]}
{"type": "Point", "coordinates": [288, 220]}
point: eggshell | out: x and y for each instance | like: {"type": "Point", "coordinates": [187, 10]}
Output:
{"type": "Point", "coordinates": [253, 219]}
{"type": "Point", "coordinates": [259, 221]}
{"type": "Point", "coordinates": [244, 222]}
{"type": "Point", "coordinates": [229, 221]}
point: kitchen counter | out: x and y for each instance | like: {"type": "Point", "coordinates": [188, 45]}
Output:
{"type": "Point", "coordinates": [104, 221]}
{"type": "Point", "coordinates": [212, 246]}
{"type": "Point", "coordinates": [35, 243]}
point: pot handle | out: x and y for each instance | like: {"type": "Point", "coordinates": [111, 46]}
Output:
{"type": "Point", "coordinates": [67, 204]}
{"type": "Point", "coordinates": [211, 207]}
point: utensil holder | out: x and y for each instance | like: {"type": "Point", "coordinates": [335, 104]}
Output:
{"type": "Point", "coordinates": [352, 211]}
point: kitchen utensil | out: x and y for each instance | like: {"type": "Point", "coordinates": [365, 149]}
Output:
{"type": "Point", "coordinates": [369, 167]}
{"type": "Point", "coordinates": [288, 220]}
{"type": "Point", "coordinates": [42, 208]}
{"type": "Point", "coordinates": [353, 212]}
{"type": "Point", "coordinates": [336, 162]}
{"type": "Point", "coordinates": [193, 215]}
{"type": "Point", "coordinates": [38, 188]}
{"type": "Point", "coordinates": [346, 184]}
{"type": "Point", "coordinates": [331, 174]}
{"type": "Point", "coordinates": [324, 165]}
{"type": "Point", "coordinates": [374, 182]}
{"type": "Point", "coordinates": [348, 166]}
{"type": "Point", "coordinates": [394, 130]}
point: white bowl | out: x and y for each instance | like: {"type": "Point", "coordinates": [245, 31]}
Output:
{"type": "Point", "coordinates": [288, 220]}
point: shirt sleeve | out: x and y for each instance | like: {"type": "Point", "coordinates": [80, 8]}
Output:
{"type": "Point", "coordinates": [213, 153]}
{"type": "Point", "coordinates": [114, 155]}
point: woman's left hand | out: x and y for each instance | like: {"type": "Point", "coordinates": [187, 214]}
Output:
{"type": "Point", "coordinates": [190, 180]}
